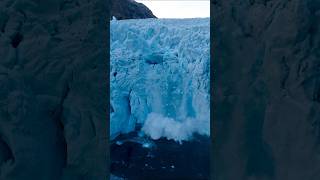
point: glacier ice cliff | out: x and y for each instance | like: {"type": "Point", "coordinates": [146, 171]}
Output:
{"type": "Point", "coordinates": [160, 77]}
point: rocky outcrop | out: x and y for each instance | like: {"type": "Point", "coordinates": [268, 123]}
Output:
{"type": "Point", "coordinates": [267, 84]}
{"type": "Point", "coordinates": [53, 77]}
{"type": "Point", "coordinates": [129, 9]}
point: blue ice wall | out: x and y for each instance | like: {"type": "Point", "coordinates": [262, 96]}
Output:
{"type": "Point", "coordinates": [160, 77]}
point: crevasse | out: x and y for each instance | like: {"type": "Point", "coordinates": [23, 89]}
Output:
{"type": "Point", "coordinates": [160, 71]}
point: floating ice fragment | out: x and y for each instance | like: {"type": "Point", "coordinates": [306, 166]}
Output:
{"type": "Point", "coordinates": [146, 145]}
{"type": "Point", "coordinates": [119, 143]}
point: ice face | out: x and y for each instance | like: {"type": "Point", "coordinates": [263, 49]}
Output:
{"type": "Point", "coordinates": [160, 77]}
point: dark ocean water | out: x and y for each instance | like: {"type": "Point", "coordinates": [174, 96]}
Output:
{"type": "Point", "coordinates": [139, 158]}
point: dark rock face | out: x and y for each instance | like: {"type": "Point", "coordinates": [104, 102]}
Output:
{"type": "Point", "coordinates": [266, 64]}
{"type": "Point", "coordinates": [53, 81]}
{"type": "Point", "coordinates": [129, 9]}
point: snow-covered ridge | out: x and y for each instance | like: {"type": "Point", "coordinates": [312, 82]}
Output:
{"type": "Point", "coordinates": [160, 77]}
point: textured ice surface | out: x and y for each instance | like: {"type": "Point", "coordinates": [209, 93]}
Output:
{"type": "Point", "coordinates": [160, 77]}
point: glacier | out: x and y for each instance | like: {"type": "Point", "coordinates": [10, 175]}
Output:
{"type": "Point", "coordinates": [159, 77]}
